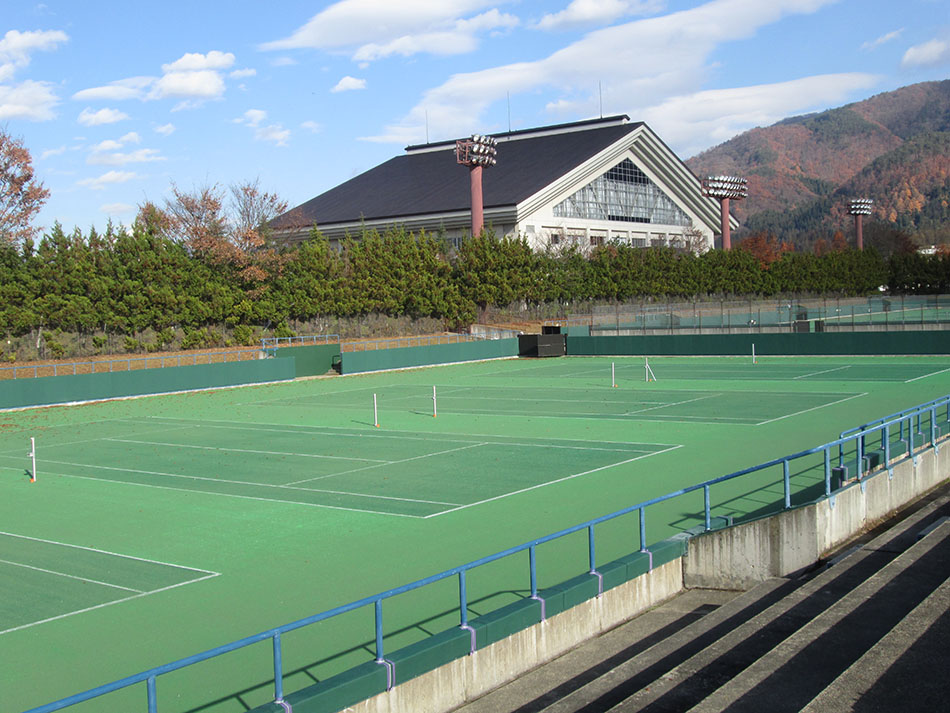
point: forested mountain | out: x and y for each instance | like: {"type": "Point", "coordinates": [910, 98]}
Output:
{"type": "Point", "coordinates": [802, 171]}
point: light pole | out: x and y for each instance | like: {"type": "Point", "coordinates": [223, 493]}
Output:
{"type": "Point", "coordinates": [477, 152]}
{"type": "Point", "coordinates": [859, 208]}
{"type": "Point", "coordinates": [723, 188]}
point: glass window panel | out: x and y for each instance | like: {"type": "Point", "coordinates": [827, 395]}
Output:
{"type": "Point", "coordinates": [623, 194]}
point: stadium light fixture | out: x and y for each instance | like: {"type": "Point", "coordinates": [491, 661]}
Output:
{"type": "Point", "coordinates": [477, 152]}
{"type": "Point", "coordinates": [724, 189]}
{"type": "Point", "coordinates": [859, 208]}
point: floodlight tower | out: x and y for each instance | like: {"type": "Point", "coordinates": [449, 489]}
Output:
{"type": "Point", "coordinates": [859, 208]}
{"type": "Point", "coordinates": [477, 152]}
{"type": "Point", "coordinates": [724, 188]}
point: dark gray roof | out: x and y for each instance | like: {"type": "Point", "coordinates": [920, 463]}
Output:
{"type": "Point", "coordinates": [426, 182]}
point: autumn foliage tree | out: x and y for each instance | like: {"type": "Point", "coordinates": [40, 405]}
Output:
{"type": "Point", "coordinates": [766, 248]}
{"type": "Point", "coordinates": [21, 194]}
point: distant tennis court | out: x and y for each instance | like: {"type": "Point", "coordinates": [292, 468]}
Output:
{"type": "Point", "coordinates": [196, 519]}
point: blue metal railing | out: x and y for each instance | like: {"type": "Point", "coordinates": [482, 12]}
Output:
{"type": "Point", "coordinates": [401, 342]}
{"type": "Point", "coordinates": [883, 427]}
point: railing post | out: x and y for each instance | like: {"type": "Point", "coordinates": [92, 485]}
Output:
{"type": "Point", "coordinates": [590, 548]}
{"type": "Point", "coordinates": [706, 513]}
{"type": "Point", "coordinates": [278, 670]}
{"type": "Point", "coordinates": [827, 453]}
{"type": "Point", "coordinates": [933, 425]}
{"type": "Point", "coordinates": [463, 600]}
{"type": "Point", "coordinates": [532, 571]}
{"type": "Point", "coordinates": [379, 630]}
{"type": "Point", "coordinates": [643, 531]}
{"type": "Point", "coordinates": [788, 485]}
{"type": "Point", "coordinates": [152, 696]}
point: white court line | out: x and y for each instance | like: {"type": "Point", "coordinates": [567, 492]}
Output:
{"type": "Point", "coordinates": [70, 576]}
{"type": "Point", "coordinates": [933, 373]}
{"type": "Point", "coordinates": [394, 462]}
{"type": "Point", "coordinates": [233, 495]}
{"type": "Point", "coordinates": [675, 403]}
{"type": "Point", "coordinates": [813, 408]}
{"type": "Point", "coordinates": [101, 438]}
{"type": "Point", "coordinates": [106, 552]}
{"type": "Point", "coordinates": [334, 432]}
{"type": "Point", "coordinates": [826, 371]}
{"type": "Point", "coordinates": [105, 604]}
{"type": "Point", "coordinates": [551, 482]}
{"type": "Point", "coordinates": [242, 450]}
{"type": "Point", "coordinates": [242, 482]}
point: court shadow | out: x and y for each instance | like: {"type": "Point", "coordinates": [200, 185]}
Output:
{"type": "Point", "coordinates": [427, 627]}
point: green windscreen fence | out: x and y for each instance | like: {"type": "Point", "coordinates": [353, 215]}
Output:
{"type": "Point", "coordinates": [400, 358]}
{"type": "Point", "coordinates": [790, 344]}
{"type": "Point", "coordinates": [18, 393]}
{"type": "Point", "coordinates": [312, 360]}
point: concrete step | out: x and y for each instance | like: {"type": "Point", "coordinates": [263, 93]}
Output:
{"type": "Point", "coordinates": [693, 680]}
{"type": "Point", "coordinates": [806, 662]}
{"type": "Point", "coordinates": [652, 635]}
{"type": "Point", "coordinates": [640, 655]}
{"type": "Point", "coordinates": [901, 672]}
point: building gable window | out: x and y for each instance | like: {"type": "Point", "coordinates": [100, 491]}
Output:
{"type": "Point", "coordinates": [624, 194]}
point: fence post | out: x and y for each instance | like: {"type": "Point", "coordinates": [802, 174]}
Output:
{"type": "Point", "coordinates": [706, 514]}
{"type": "Point", "coordinates": [827, 453]}
{"type": "Point", "coordinates": [278, 670]}
{"type": "Point", "coordinates": [643, 531]}
{"type": "Point", "coordinates": [788, 485]}
{"type": "Point", "coordinates": [379, 630]}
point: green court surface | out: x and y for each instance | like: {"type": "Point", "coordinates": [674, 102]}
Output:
{"type": "Point", "coordinates": [163, 526]}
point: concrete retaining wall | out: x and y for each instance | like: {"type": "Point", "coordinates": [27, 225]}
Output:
{"type": "Point", "coordinates": [472, 676]}
{"type": "Point", "coordinates": [741, 556]}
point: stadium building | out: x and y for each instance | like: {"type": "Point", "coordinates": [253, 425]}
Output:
{"type": "Point", "coordinates": [585, 183]}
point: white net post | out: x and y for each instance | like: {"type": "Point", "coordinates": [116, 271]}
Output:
{"type": "Point", "coordinates": [375, 413]}
{"type": "Point", "coordinates": [33, 459]}
{"type": "Point", "coordinates": [435, 405]}
{"type": "Point", "coordinates": [648, 374]}
{"type": "Point", "coordinates": [753, 354]}
{"type": "Point", "coordinates": [613, 375]}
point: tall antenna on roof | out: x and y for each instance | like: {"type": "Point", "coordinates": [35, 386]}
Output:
{"type": "Point", "coordinates": [427, 126]}
{"type": "Point", "coordinates": [508, 95]}
{"type": "Point", "coordinates": [600, 90]}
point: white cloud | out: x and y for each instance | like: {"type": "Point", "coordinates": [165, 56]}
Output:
{"type": "Point", "coordinates": [33, 101]}
{"type": "Point", "coordinates": [883, 39]}
{"type": "Point", "coordinates": [100, 158]}
{"type": "Point", "coordinates": [88, 117]}
{"type": "Point", "coordinates": [372, 29]}
{"type": "Point", "coordinates": [252, 117]}
{"type": "Point", "coordinates": [692, 122]}
{"type": "Point", "coordinates": [16, 48]}
{"type": "Point", "coordinates": [52, 152]}
{"type": "Point", "coordinates": [107, 179]}
{"type": "Point", "coordinates": [642, 61]}
{"type": "Point", "coordinates": [311, 126]}
{"type": "Point", "coordinates": [107, 145]}
{"type": "Point", "coordinates": [582, 13]}
{"type": "Point", "coordinates": [348, 84]}
{"type": "Point", "coordinates": [196, 62]}
{"type": "Point", "coordinates": [202, 84]}
{"type": "Point", "coordinates": [117, 208]}
{"type": "Point", "coordinates": [929, 54]}
{"type": "Point", "coordinates": [242, 73]}
{"type": "Point", "coordinates": [131, 138]}
{"type": "Point", "coordinates": [165, 129]}
{"type": "Point", "coordinates": [275, 133]}
{"type": "Point", "coordinates": [120, 90]}
{"type": "Point", "coordinates": [283, 62]}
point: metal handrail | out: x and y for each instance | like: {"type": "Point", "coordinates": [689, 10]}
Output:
{"type": "Point", "coordinates": [274, 342]}
{"type": "Point", "coordinates": [150, 676]}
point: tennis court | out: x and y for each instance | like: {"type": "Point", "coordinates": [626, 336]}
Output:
{"type": "Point", "coordinates": [187, 521]}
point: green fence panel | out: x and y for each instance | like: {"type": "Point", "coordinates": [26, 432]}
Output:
{"type": "Point", "coordinates": [312, 360]}
{"type": "Point", "coordinates": [790, 344]}
{"type": "Point", "coordinates": [17, 393]}
{"type": "Point", "coordinates": [381, 359]}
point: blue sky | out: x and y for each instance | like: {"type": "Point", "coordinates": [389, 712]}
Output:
{"type": "Point", "coordinates": [118, 101]}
